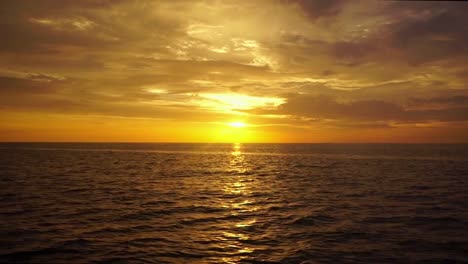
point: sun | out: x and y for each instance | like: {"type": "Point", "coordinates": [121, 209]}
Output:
{"type": "Point", "coordinates": [235, 131]}
{"type": "Point", "coordinates": [237, 124]}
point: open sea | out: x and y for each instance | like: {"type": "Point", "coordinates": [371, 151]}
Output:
{"type": "Point", "coordinates": [233, 203]}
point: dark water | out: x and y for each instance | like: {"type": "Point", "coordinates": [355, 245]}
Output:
{"type": "Point", "coordinates": [224, 203]}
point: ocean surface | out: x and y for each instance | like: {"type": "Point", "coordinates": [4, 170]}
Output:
{"type": "Point", "coordinates": [233, 203]}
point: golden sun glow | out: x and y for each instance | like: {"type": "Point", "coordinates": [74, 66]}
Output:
{"type": "Point", "coordinates": [237, 124]}
{"type": "Point", "coordinates": [229, 102]}
{"type": "Point", "coordinates": [236, 131]}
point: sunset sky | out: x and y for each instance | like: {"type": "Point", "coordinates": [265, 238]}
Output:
{"type": "Point", "coordinates": [233, 71]}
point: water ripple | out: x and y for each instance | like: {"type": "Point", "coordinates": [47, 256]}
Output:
{"type": "Point", "coordinates": [195, 203]}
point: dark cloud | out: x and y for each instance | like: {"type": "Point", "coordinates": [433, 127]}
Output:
{"type": "Point", "coordinates": [37, 83]}
{"type": "Point", "coordinates": [19, 24]}
{"type": "Point", "coordinates": [353, 53]}
{"type": "Point", "coordinates": [55, 26]}
{"type": "Point", "coordinates": [408, 32]}
{"type": "Point", "coordinates": [434, 32]}
{"type": "Point", "coordinates": [319, 8]}
{"type": "Point", "coordinates": [326, 107]}
{"type": "Point", "coordinates": [439, 102]}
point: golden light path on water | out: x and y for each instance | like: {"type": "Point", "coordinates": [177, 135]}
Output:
{"type": "Point", "coordinates": [238, 185]}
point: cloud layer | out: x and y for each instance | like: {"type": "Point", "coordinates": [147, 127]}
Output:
{"type": "Point", "coordinates": [301, 65]}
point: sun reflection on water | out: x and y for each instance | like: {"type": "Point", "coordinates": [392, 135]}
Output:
{"type": "Point", "coordinates": [236, 149]}
{"type": "Point", "coordinates": [237, 163]}
{"type": "Point", "coordinates": [238, 187]}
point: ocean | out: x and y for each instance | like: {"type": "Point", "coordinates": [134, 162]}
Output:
{"type": "Point", "coordinates": [233, 203]}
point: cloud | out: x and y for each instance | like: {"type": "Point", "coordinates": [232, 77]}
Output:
{"type": "Point", "coordinates": [325, 107]}
{"type": "Point", "coordinates": [432, 31]}
{"type": "Point", "coordinates": [319, 8]}
{"type": "Point", "coordinates": [35, 84]}
{"type": "Point", "coordinates": [345, 64]}
{"type": "Point", "coordinates": [439, 102]}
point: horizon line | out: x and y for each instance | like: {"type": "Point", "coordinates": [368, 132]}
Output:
{"type": "Point", "coordinates": [205, 142]}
